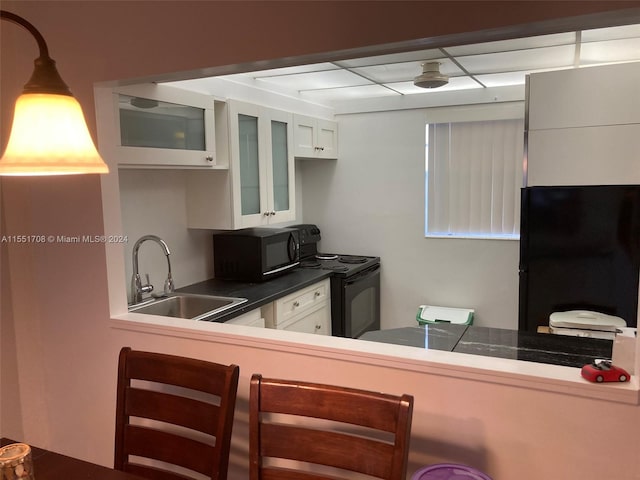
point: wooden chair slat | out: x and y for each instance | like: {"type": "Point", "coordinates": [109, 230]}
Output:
{"type": "Point", "coordinates": [334, 449]}
{"type": "Point", "coordinates": [165, 407]}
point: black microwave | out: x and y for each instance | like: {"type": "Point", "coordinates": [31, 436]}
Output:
{"type": "Point", "coordinates": [255, 254]}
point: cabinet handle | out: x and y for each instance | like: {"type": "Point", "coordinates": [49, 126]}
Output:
{"type": "Point", "coordinates": [296, 303]}
{"type": "Point", "coordinates": [317, 294]}
{"type": "Point", "coordinates": [209, 158]}
{"type": "Point", "coordinates": [266, 214]}
{"type": "Point", "coordinates": [318, 327]}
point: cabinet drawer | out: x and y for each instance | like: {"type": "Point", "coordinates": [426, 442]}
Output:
{"type": "Point", "coordinates": [300, 301]}
{"type": "Point", "coordinates": [251, 319]}
{"type": "Point", "coordinates": [316, 320]}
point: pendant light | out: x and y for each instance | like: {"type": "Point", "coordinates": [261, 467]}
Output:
{"type": "Point", "coordinates": [49, 135]}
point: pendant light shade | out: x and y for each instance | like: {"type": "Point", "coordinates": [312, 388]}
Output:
{"type": "Point", "coordinates": [49, 135]}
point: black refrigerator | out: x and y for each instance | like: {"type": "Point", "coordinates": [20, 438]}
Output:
{"type": "Point", "coordinates": [579, 250]}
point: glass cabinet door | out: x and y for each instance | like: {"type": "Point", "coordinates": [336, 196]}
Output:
{"type": "Point", "coordinates": [249, 164]}
{"type": "Point", "coordinates": [262, 165]}
{"type": "Point", "coordinates": [149, 125]}
{"type": "Point", "coordinates": [153, 123]}
{"type": "Point", "coordinates": [280, 165]}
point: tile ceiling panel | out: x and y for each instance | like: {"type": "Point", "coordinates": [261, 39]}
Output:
{"type": "Point", "coordinates": [314, 80]}
{"type": "Point", "coordinates": [346, 93]}
{"type": "Point", "coordinates": [399, 72]}
{"type": "Point", "coordinates": [495, 64]}
{"type": "Point", "coordinates": [611, 33]}
{"type": "Point", "coordinates": [415, 56]}
{"type": "Point", "coordinates": [515, 44]}
{"type": "Point", "coordinates": [548, 57]}
{"type": "Point", "coordinates": [456, 83]}
{"type": "Point", "coordinates": [505, 79]}
{"type": "Point", "coordinates": [611, 51]}
{"type": "Point", "coordinates": [316, 67]}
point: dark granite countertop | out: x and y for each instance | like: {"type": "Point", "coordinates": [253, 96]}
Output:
{"type": "Point", "coordinates": [498, 342]}
{"type": "Point", "coordinates": [258, 293]}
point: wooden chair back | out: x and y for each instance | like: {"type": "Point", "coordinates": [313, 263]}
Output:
{"type": "Point", "coordinates": [174, 416]}
{"type": "Point", "coordinates": [308, 431]}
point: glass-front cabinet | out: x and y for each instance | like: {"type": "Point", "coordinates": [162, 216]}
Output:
{"type": "Point", "coordinates": [251, 195]}
{"type": "Point", "coordinates": [161, 126]}
{"type": "Point", "coordinates": [262, 164]}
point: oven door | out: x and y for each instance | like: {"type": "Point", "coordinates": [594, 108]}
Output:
{"type": "Point", "coordinates": [355, 303]}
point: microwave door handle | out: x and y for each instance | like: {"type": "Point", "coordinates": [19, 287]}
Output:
{"type": "Point", "coordinates": [292, 247]}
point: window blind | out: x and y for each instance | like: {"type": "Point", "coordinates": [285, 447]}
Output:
{"type": "Point", "coordinates": [474, 176]}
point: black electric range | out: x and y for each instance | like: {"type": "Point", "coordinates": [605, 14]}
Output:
{"type": "Point", "coordinates": [355, 285]}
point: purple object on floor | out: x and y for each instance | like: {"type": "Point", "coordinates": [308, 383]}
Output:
{"type": "Point", "coordinates": [449, 471]}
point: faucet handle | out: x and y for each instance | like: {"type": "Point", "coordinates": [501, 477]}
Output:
{"type": "Point", "coordinates": [148, 287]}
{"type": "Point", "coordinates": [169, 286]}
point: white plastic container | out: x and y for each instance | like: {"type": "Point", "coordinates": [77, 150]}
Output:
{"type": "Point", "coordinates": [431, 314]}
{"type": "Point", "coordinates": [585, 323]}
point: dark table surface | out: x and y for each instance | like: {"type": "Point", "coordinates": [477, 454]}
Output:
{"type": "Point", "coordinates": [498, 342]}
{"type": "Point", "coordinates": [48, 465]}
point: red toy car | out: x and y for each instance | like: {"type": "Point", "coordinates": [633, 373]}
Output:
{"type": "Point", "coordinates": [603, 371]}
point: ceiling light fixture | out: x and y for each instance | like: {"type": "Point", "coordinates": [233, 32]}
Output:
{"type": "Point", "coordinates": [49, 135]}
{"type": "Point", "coordinates": [431, 76]}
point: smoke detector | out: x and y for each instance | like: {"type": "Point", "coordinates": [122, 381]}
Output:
{"type": "Point", "coordinates": [431, 76]}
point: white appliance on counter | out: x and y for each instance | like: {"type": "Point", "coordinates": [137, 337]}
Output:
{"type": "Point", "coordinates": [585, 323]}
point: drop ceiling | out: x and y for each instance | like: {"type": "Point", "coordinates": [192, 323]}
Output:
{"type": "Point", "coordinates": [476, 66]}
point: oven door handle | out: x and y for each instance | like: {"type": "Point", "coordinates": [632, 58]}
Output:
{"type": "Point", "coordinates": [362, 275]}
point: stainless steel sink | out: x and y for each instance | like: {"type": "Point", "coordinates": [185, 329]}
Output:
{"type": "Point", "coordinates": [186, 305]}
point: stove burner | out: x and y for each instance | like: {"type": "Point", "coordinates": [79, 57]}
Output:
{"type": "Point", "coordinates": [351, 259]}
{"type": "Point", "coordinates": [326, 256]}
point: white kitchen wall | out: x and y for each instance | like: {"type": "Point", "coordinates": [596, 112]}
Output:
{"type": "Point", "coordinates": [153, 202]}
{"type": "Point", "coordinates": [371, 202]}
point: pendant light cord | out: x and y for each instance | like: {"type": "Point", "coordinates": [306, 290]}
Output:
{"type": "Point", "coordinates": [45, 77]}
{"type": "Point", "coordinates": [12, 17]}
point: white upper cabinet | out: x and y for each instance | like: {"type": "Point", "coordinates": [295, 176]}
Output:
{"type": "Point", "coordinates": [584, 126]}
{"type": "Point", "coordinates": [153, 125]}
{"type": "Point", "coordinates": [260, 186]}
{"type": "Point", "coordinates": [315, 137]}
{"type": "Point", "coordinates": [262, 164]}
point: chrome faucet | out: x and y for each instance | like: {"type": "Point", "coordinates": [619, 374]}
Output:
{"type": "Point", "coordinates": [137, 288]}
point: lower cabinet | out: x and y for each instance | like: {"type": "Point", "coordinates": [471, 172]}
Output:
{"type": "Point", "coordinates": [315, 321]}
{"type": "Point", "coordinates": [254, 318]}
{"type": "Point", "coordinates": [308, 310]}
